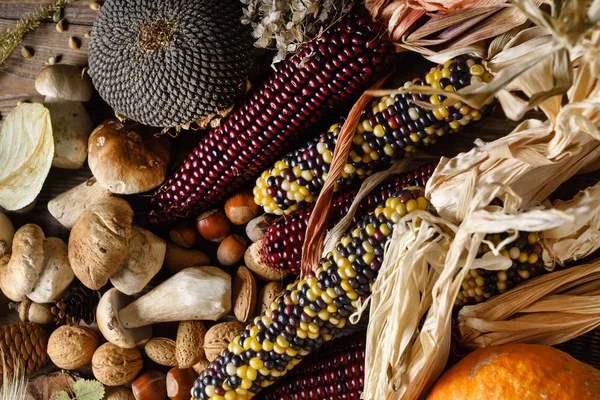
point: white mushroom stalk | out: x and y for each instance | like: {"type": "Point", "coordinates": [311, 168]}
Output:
{"type": "Point", "coordinates": [198, 293]}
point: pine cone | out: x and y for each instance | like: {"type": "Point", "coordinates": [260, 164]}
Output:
{"type": "Point", "coordinates": [23, 346]}
{"type": "Point", "coordinates": [77, 304]}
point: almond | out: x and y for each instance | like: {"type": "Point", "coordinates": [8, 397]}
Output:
{"type": "Point", "coordinates": [268, 294]}
{"type": "Point", "coordinates": [218, 338]}
{"type": "Point", "coordinates": [263, 272]}
{"type": "Point", "coordinates": [189, 344]}
{"type": "Point", "coordinates": [161, 351]}
{"type": "Point", "coordinates": [244, 294]}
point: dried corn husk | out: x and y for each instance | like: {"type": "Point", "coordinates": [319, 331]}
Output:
{"type": "Point", "coordinates": [580, 238]}
{"type": "Point", "coordinates": [571, 33]}
{"type": "Point", "coordinates": [533, 160]}
{"type": "Point", "coordinates": [549, 310]}
{"type": "Point", "coordinates": [426, 261]}
{"type": "Point", "coordinates": [422, 273]}
{"type": "Point", "coordinates": [453, 25]}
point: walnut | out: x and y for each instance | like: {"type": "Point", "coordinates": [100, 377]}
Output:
{"type": "Point", "coordinates": [218, 338]}
{"type": "Point", "coordinates": [114, 366]}
{"type": "Point", "coordinates": [72, 347]}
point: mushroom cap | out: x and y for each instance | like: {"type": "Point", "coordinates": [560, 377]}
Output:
{"type": "Point", "coordinates": [127, 158]}
{"type": "Point", "coordinates": [65, 82]}
{"type": "Point", "coordinates": [107, 318]}
{"type": "Point", "coordinates": [99, 241]}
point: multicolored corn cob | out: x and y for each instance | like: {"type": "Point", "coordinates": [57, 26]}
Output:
{"type": "Point", "coordinates": [309, 312]}
{"type": "Point", "coordinates": [335, 372]}
{"type": "Point", "coordinates": [388, 129]}
{"type": "Point", "coordinates": [281, 245]}
{"type": "Point", "coordinates": [527, 262]}
{"type": "Point", "coordinates": [335, 68]}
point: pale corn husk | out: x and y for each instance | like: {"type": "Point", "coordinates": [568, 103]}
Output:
{"type": "Point", "coordinates": [582, 237]}
{"type": "Point", "coordinates": [422, 273]}
{"type": "Point", "coordinates": [424, 267]}
{"type": "Point", "coordinates": [533, 160]}
{"type": "Point", "coordinates": [549, 310]}
{"type": "Point", "coordinates": [571, 32]}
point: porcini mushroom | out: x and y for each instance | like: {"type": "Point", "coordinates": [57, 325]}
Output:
{"type": "Point", "coordinates": [68, 206]}
{"type": "Point", "coordinates": [99, 241]}
{"type": "Point", "coordinates": [56, 273]}
{"type": "Point", "coordinates": [19, 275]}
{"type": "Point", "coordinates": [198, 293]}
{"type": "Point", "coordinates": [127, 158]}
{"type": "Point", "coordinates": [7, 232]}
{"type": "Point", "coordinates": [146, 257]}
{"type": "Point", "coordinates": [109, 322]}
{"type": "Point", "coordinates": [71, 128]}
{"type": "Point", "coordinates": [65, 82]}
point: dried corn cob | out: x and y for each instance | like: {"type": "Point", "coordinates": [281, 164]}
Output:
{"type": "Point", "coordinates": [389, 128]}
{"type": "Point", "coordinates": [527, 262]}
{"type": "Point", "coordinates": [336, 372]}
{"type": "Point", "coordinates": [309, 312]}
{"type": "Point", "coordinates": [336, 67]}
{"type": "Point", "coordinates": [281, 245]}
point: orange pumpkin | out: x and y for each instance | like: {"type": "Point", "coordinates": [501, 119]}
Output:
{"type": "Point", "coordinates": [518, 371]}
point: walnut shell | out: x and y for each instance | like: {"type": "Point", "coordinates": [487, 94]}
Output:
{"type": "Point", "coordinates": [244, 294]}
{"type": "Point", "coordinates": [115, 366]}
{"type": "Point", "coordinates": [161, 351]}
{"type": "Point", "coordinates": [189, 344]}
{"type": "Point", "coordinates": [218, 338]}
{"type": "Point", "coordinates": [72, 347]}
{"type": "Point", "coordinates": [201, 365]}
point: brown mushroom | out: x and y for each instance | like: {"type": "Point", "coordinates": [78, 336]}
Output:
{"type": "Point", "coordinates": [99, 241]}
{"type": "Point", "coordinates": [127, 158]}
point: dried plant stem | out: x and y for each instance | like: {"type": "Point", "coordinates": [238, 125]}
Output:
{"type": "Point", "coordinates": [11, 37]}
{"type": "Point", "coordinates": [14, 387]}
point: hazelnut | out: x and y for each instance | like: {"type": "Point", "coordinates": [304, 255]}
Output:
{"type": "Point", "coordinates": [151, 385]}
{"type": "Point", "coordinates": [218, 338]}
{"type": "Point", "coordinates": [257, 227]}
{"type": "Point", "coordinates": [115, 366]}
{"type": "Point", "coordinates": [72, 347]}
{"type": "Point", "coordinates": [241, 208]}
{"type": "Point", "coordinates": [231, 250]}
{"type": "Point", "coordinates": [184, 236]}
{"type": "Point", "coordinates": [213, 225]}
{"type": "Point", "coordinates": [118, 393]}
{"type": "Point", "coordinates": [180, 383]}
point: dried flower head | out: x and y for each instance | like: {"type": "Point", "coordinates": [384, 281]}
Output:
{"type": "Point", "coordinates": [283, 25]}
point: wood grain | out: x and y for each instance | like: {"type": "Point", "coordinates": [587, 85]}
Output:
{"type": "Point", "coordinates": [76, 12]}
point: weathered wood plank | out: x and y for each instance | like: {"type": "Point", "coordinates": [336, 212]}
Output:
{"type": "Point", "coordinates": [76, 12]}
{"type": "Point", "coordinates": [18, 75]}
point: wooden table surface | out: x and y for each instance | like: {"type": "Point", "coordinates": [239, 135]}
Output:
{"type": "Point", "coordinates": [17, 84]}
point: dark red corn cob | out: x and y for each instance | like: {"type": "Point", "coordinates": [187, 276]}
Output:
{"type": "Point", "coordinates": [335, 373]}
{"type": "Point", "coordinates": [281, 245]}
{"type": "Point", "coordinates": [335, 68]}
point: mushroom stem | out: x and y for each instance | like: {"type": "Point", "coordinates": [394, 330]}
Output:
{"type": "Point", "coordinates": [198, 293]}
